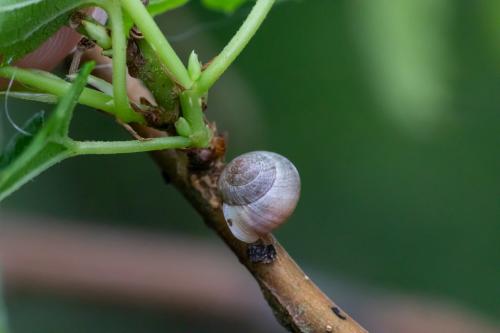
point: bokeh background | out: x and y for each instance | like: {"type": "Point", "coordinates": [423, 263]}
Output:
{"type": "Point", "coordinates": [390, 111]}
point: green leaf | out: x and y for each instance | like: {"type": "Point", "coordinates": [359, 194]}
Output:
{"type": "Point", "coordinates": [157, 7]}
{"type": "Point", "coordinates": [25, 24]}
{"type": "Point", "coordinates": [27, 157]}
{"type": "Point", "coordinates": [226, 6]}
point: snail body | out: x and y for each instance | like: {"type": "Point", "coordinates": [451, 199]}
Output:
{"type": "Point", "coordinates": [260, 191]}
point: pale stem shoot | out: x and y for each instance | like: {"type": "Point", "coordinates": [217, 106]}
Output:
{"type": "Point", "coordinates": [193, 113]}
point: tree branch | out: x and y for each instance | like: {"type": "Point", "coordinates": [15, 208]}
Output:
{"type": "Point", "coordinates": [298, 304]}
{"type": "Point", "coordinates": [296, 301]}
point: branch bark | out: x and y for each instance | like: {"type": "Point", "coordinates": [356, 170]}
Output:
{"type": "Point", "coordinates": [298, 304]}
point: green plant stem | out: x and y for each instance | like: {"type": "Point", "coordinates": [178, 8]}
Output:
{"type": "Point", "coordinates": [157, 40]}
{"type": "Point", "coordinates": [58, 87]}
{"type": "Point", "coordinates": [131, 146]}
{"type": "Point", "coordinates": [234, 47]}
{"type": "Point", "coordinates": [122, 106]}
{"type": "Point", "coordinates": [193, 113]}
{"type": "Point", "coordinates": [155, 77]}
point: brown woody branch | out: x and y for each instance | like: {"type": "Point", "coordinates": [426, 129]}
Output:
{"type": "Point", "coordinates": [297, 302]}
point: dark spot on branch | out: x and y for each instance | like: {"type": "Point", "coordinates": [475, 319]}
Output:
{"type": "Point", "coordinates": [230, 222]}
{"type": "Point", "coordinates": [339, 313]}
{"type": "Point", "coordinates": [261, 253]}
{"type": "Point", "coordinates": [200, 159]}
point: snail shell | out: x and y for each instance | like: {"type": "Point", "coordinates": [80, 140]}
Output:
{"type": "Point", "coordinates": [260, 190]}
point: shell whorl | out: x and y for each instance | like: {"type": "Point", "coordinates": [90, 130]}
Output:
{"type": "Point", "coordinates": [247, 178]}
{"type": "Point", "coordinates": [260, 191]}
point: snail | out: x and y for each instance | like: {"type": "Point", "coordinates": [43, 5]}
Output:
{"type": "Point", "coordinates": [260, 191]}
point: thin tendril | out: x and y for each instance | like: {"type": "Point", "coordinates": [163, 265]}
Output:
{"type": "Point", "coordinates": [6, 106]}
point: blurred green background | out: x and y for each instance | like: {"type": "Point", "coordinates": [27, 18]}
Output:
{"type": "Point", "coordinates": [390, 111]}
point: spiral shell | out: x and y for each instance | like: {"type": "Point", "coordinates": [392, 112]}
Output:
{"type": "Point", "coordinates": [260, 190]}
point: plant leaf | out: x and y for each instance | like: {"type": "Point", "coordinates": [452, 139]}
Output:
{"type": "Point", "coordinates": [226, 6]}
{"type": "Point", "coordinates": [27, 157]}
{"type": "Point", "coordinates": [25, 24]}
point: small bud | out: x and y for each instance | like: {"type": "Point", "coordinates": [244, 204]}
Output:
{"type": "Point", "coordinates": [98, 33]}
{"type": "Point", "coordinates": [182, 127]}
{"type": "Point", "coordinates": [194, 66]}
{"type": "Point", "coordinates": [107, 53]}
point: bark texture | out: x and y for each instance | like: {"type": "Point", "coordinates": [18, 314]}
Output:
{"type": "Point", "coordinates": [297, 302]}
